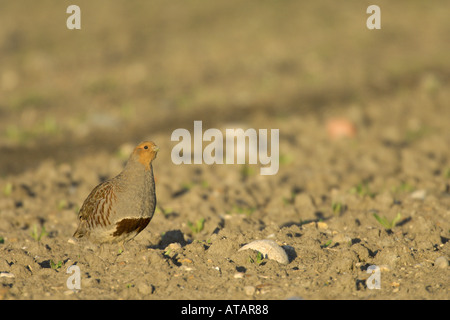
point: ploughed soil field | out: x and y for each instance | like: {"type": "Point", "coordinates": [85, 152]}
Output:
{"type": "Point", "coordinates": [360, 205]}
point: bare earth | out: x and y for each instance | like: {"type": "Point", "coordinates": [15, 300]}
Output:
{"type": "Point", "coordinates": [74, 103]}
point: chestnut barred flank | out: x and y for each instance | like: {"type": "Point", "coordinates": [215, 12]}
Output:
{"type": "Point", "coordinates": [130, 225]}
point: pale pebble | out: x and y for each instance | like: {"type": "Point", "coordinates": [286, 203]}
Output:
{"type": "Point", "coordinates": [269, 248]}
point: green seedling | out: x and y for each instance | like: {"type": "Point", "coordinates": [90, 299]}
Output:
{"type": "Point", "coordinates": [404, 187]}
{"type": "Point", "coordinates": [38, 235]}
{"type": "Point", "coordinates": [7, 190]}
{"type": "Point", "coordinates": [241, 210]}
{"type": "Point", "coordinates": [197, 227]}
{"type": "Point", "coordinates": [388, 225]}
{"type": "Point", "coordinates": [362, 190]}
{"type": "Point", "coordinates": [187, 186]}
{"type": "Point", "coordinates": [327, 244]}
{"type": "Point", "coordinates": [247, 171]}
{"type": "Point", "coordinates": [286, 159]}
{"type": "Point", "coordinates": [259, 258]}
{"type": "Point", "coordinates": [55, 266]}
{"type": "Point", "coordinates": [205, 184]}
{"type": "Point", "coordinates": [447, 173]}
{"type": "Point", "coordinates": [164, 211]}
{"type": "Point", "coordinates": [338, 207]}
{"type": "Point", "coordinates": [417, 134]}
{"type": "Point", "coordinates": [49, 126]}
{"type": "Point", "coordinates": [2, 240]}
{"type": "Point", "coordinates": [62, 204]}
{"type": "Point", "coordinates": [289, 200]}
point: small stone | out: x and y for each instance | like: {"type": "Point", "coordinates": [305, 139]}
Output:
{"type": "Point", "coordinates": [269, 249]}
{"type": "Point", "coordinates": [342, 238]}
{"type": "Point", "coordinates": [441, 262]}
{"type": "Point", "coordinates": [186, 268]}
{"type": "Point", "coordinates": [249, 290]}
{"type": "Point", "coordinates": [322, 225]}
{"type": "Point", "coordinates": [338, 128]}
{"type": "Point", "coordinates": [311, 225]}
{"type": "Point", "coordinates": [173, 246]}
{"type": "Point", "coordinates": [72, 240]}
{"type": "Point", "coordinates": [384, 268]}
{"type": "Point", "coordinates": [144, 289]}
{"type": "Point", "coordinates": [185, 261]}
{"type": "Point", "coordinates": [238, 275]}
{"type": "Point", "coordinates": [418, 194]}
{"type": "Point", "coordinates": [6, 275]}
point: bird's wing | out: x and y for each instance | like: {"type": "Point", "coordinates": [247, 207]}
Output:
{"type": "Point", "coordinates": [98, 206]}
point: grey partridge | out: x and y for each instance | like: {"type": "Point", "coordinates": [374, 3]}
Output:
{"type": "Point", "coordinates": [120, 208]}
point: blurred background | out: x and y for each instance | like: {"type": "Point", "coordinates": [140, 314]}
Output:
{"type": "Point", "coordinates": [137, 68]}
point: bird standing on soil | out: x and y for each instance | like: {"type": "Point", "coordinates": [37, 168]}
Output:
{"type": "Point", "coordinates": [120, 208]}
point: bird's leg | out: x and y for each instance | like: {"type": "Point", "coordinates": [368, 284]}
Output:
{"type": "Point", "coordinates": [121, 247]}
{"type": "Point", "coordinates": [102, 252]}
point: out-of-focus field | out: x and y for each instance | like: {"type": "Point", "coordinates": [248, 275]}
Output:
{"type": "Point", "coordinates": [72, 102]}
{"type": "Point", "coordinates": [133, 66]}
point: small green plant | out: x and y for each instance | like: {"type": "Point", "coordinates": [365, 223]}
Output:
{"type": "Point", "coordinates": [247, 171]}
{"type": "Point", "coordinates": [286, 159]}
{"type": "Point", "coordinates": [447, 173]}
{"type": "Point", "coordinates": [38, 235]}
{"type": "Point", "coordinates": [338, 207]}
{"type": "Point", "coordinates": [2, 240]}
{"type": "Point", "coordinates": [327, 244]}
{"type": "Point", "coordinates": [197, 227]}
{"type": "Point", "coordinates": [403, 187]}
{"type": "Point", "coordinates": [241, 210]}
{"type": "Point", "coordinates": [259, 259]}
{"type": "Point", "coordinates": [289, 200]}
{"type": "Point", "coordinates": [55, 266]}
{"type": "Point", "coordinates": [187, 186]}
{"type": "Point", "coordinates": [205, 184]}
{"type": "Point", "coordinates": [7, 190]}
{"type": "Point", "coordinates": [62, 204]}
{"type": "Point", "coordinates": [388, 225]}
{"type": "Point", "coordinates": [416, 134]}
{"type": "Point", "coordinates": [362, 190]}
{"type": "Point", "coordinates": [165, 211]}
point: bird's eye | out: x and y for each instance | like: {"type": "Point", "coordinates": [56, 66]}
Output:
{"type": "Point", "coordinates": [146, 147]}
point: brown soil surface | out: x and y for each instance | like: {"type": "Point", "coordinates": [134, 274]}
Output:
{"type": "Point", "coordinates": [74, 102]}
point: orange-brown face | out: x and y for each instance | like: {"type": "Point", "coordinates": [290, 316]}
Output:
{"type": "Point", "coordinates": [146, 152]}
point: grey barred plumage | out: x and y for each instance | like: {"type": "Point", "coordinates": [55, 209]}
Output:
{"type": "Point", "coordinates": [120, 208]}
